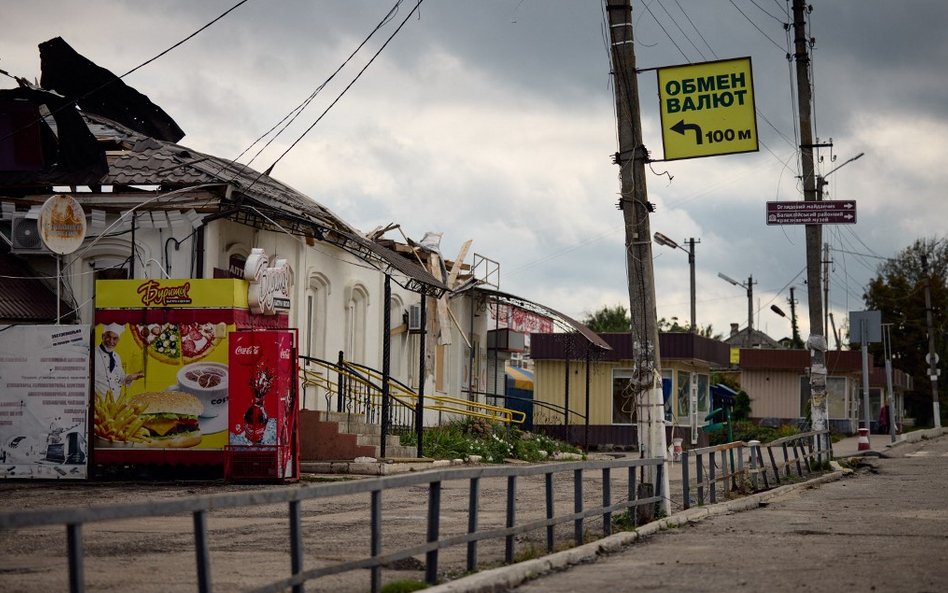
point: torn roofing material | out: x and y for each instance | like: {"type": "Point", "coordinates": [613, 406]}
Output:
{"type": "Point", "coordinates": [563, 321]}
{"type": "Point", "coordinates": [97, 90]}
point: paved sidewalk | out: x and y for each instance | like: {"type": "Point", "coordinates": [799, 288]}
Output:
{"type": "Point", "coordinates": [855, 523]}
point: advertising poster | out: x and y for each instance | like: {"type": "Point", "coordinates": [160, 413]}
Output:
{"type": "Point", "coordinates": [44, 401]}
{"type": "Point", "coordinates": [262, 392]}
{"type": "Point", "coordinates": [160, 362]}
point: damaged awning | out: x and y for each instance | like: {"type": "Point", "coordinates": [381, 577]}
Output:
{"type": "Point", "coordinates": [563, 322]}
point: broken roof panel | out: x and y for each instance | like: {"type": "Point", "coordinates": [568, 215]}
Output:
{"type": "Point", "coordinates": [97, 90]}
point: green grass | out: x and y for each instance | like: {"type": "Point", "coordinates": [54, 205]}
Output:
{"type": "Point", "coordinates": [404, 586]}
{"type": "Point", "coordinates": [493, 442]}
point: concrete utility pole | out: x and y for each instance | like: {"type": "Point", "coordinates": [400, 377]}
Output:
{"type": "Point", "coordinates": [814, 232]}
{"type": "Point", "coordinates": [932, 357]}
{"type": "Point", "coordinates": [635, 207]}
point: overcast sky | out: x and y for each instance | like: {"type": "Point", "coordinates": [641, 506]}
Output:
{"type": "Point", "coordinates": [494, 121]}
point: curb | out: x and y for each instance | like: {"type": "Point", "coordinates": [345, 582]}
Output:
{"type": "Point", "coordinates": [904, 439]}
{"type": "Point", "coordinates": [509, 577]}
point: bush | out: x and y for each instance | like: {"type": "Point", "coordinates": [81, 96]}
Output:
{"type": "Point", "coordinates": [493, 442]}
{"type": "Point", "coordinates": [746, 430]}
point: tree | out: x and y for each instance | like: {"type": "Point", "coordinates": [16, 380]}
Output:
{"type": "Point", "coordinates": [898, 291]}
{"type": "Point", "coordinates": [609, 319]}
{"type": "Point", "coordinates": [706, 331]}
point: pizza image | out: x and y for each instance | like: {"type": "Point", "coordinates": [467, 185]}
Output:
{"type": "Point", "coordinates": [199, 339]}
{"type": "Point", "coordinates": [179, 343]}
{"type": "Point", "coordinates": [160, 340]}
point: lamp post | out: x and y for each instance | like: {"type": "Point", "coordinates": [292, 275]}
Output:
{"type": "Point", "coordinates": [749, 286]}
{"type": "Point", "coordinates": [820, 184]}
{"type": "Point", "coordinates": [664, 240]}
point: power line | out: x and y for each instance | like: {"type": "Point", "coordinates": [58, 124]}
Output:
{"type": "Point", "coordinates": [346, 89]}
{"type": "Point", "coordinates": [298, 110]}
{"type": "Point", "coordinates": [761, 31]}
{"type": "Point", "coordinates": [136, 68]}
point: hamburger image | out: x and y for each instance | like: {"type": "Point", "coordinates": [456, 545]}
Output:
{"type": "Point", "coordinates": [170, 418]}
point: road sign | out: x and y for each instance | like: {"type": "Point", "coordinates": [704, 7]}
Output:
{"type": "Point", "coordinates": [707, 109]}
{"type": "Point", "coordinates": [812, 212]}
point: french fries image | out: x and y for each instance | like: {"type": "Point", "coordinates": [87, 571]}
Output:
{"type": "Point", "coordinates": [118, 419]}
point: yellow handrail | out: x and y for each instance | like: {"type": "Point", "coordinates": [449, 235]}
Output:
{"type": "Point", "coordinates": [407, 397]}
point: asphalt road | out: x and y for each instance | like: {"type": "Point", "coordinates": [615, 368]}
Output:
{"type": "Point", "coordinates": [883, 529]}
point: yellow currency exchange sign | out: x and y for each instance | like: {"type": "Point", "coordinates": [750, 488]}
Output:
{"type": "Point", "coordinates": [707, 109]}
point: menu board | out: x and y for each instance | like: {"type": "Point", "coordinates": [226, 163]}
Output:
{"type": "Point", "coordinates": [44, 401]}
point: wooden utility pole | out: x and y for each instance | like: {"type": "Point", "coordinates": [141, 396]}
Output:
{"type": "Point", "coordinates": [814, 232]}
{"type": "Point", "coordinates": [633, 201]}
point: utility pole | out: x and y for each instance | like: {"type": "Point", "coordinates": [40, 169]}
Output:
{"type": "Point", "coordinates": [691, 265]}
{"type": "Point", "coordinates": [814, 232]}
{"type": "Point", "coordinates": [932, 357]}
{"type": "Point", "coordinates": [633, 201]}
{"type": "Point", "coordinates": [826, 283]}
{"type": "Point", "coordinates": [794, 326]}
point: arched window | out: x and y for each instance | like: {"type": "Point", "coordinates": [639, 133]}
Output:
{"type": "Point", "coordinates": [314, 316]}
{"type": "Point", "coordinates": [398, 341]}
{"type": "Point", "coordinates": [357, 305]}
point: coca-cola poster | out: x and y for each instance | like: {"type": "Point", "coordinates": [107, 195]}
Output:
{"type": "Point", "coordinates": [262, 398]}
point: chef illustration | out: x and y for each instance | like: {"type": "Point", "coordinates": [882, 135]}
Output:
{"type": "Point", "coordinates": [109, 373]}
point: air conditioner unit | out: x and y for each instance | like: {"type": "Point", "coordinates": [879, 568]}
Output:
{"type": "Point", "coordinates": [414, 318]}
{"type": "Point", "coordinates": [25, 235]}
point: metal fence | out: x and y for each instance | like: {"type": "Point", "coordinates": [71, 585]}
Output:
{"type": "Point", "coordinates": [202, 508]}
{"type": "Point", "coordinates": [723, 466]}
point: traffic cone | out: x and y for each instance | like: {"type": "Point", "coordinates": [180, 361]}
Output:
{"type": "Point", "coordinates": [864, 439]}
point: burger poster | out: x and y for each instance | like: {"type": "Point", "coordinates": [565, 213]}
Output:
{"type": "Point", "coordinates": [160, 361]}
{"type": "Point", "coordinates": [263, 393]}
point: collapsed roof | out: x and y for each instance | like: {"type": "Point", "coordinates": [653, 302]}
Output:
{"type": "Point", "coordinates": [88, 147]}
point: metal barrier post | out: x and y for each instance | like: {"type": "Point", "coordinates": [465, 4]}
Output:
{"type": "Point", "coordinates": [606, 501]}
{"type": "Point", "coordinates": [786, 459]}
{"type": "Point", "coordinates": [434, 518]}
{"type": "Point", "coordinates": [474, 498]}
{"type": "Point", "coordinates": [578, 505]}
{"type": "Point", "coordinates": [375, 543]}
{"type": "Point", "coordinates": [74, 549]}
{"type": "Point", "coordinates": [725, 483]}
{"type": "Point", "coordinates": [201, 551]}
{"type": "Point", "coordinates": [773, 463]}
{"type": "Point", "coordinates": [511, 517]}
{"type": "Point", "coordinates": [659, 470]}
{"type": "Point", "coordinates": [548, 486]}
{"type": "Point", "coordinates": [740, 466]}
{"type": "Point", "coordinates": [685, 490]}
{"type": "Point", "coordinates": [796, 458]}
{"type": "Point", "coordinates": [296, 542]}
{"type": "Point", "coordinates": [633, 497]}
{"type": "Point", "coordinates": [699, 467]}
{"type": "Point", "coordinates": [712, 479]}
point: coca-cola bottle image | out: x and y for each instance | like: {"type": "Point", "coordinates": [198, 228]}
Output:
{"type": "Point", "coordinates": [255, 421]}
{"type": "Point", "coordinates": [255, 418]}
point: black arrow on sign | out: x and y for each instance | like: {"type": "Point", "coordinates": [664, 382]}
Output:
{"type": "Point", "coordinates": [681, 126]}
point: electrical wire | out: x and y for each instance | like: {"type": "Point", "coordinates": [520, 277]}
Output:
{"type": "Point", "coordinates": [346, 89]}
{"type": "Point", "coordinates": [749, 20]}
{"type": "Point", "coordinates": [74, 102]}
{"type": "Point", "coordinates": [665, 31]}
{"type": "Point", "coordinates": [290, 117]}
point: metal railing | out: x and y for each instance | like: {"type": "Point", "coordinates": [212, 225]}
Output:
{"type": "Point", "coordinates": [357, 389]}
{"type": "Point", "coordinates": [202, 508]}
{"type": "Point", "coordinates": [724, 465]}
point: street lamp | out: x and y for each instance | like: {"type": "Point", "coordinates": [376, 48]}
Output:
{"type": "Point", "coordinates": [749, 286]}
{"type": "Point", "coordinates": [667, 242]}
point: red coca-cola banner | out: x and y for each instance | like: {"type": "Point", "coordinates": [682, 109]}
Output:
{"type": "Point", "coordinates": [262, 408]}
